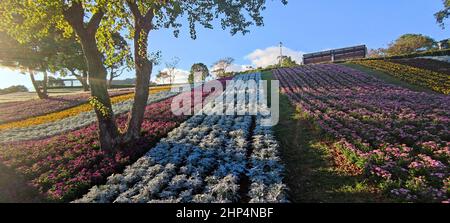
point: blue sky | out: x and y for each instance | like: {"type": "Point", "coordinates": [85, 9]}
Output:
{"type": "Point", "coordinates": [302, 25]}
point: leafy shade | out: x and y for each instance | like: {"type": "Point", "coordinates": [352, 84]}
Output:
{"type": "Point", "coordinates": [443, 14]}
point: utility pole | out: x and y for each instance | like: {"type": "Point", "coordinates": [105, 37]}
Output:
{"type": "Point", "coordinates": [281, 54]}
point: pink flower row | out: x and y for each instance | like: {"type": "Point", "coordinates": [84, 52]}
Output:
{"type": "Point", "coordinates": [64, 167]}
{"type": "Point", "coordinates": [15, 111]}
{"type": "Point", "coordinates": [400, 137]}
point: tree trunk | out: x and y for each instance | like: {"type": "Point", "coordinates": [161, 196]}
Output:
{"type": "Point", "coordinates": [44, 85]}
{"type": "Point", "coordinates": [111, 78]}
{"type": "Point", "coordinates": [109, 134]}
{"type": "Point", "coordinates": [143, 72]}
{"type": "Point", "coordinates": [40, 94]}
{"type": "Point", "coordinates": [85, 81]}
{"type": "Point", "coordinates": [82, 79]}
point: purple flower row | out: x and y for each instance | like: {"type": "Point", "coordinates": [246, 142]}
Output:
{"type": "Point", "coordinates": [400, 137]}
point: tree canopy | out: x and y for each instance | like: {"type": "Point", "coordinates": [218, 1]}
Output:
{"type": "Point", "coordinates": [287, 61]}
{"type": "Point", "coordinates": [198, 68]}
{"type": "Point", "coordinates": [410, 43]}
{"type": "Point", "coordinates": [442, 15]}
{"type": "Point", "coordinates": [162, 76]}
{"type": "Point", "coordinates": [95, 21]}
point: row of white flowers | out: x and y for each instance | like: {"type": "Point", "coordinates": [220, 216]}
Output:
{"type": "Point", "coordinates": [202, 161]}
{"type": "Point", "coordinates": [71, 123]}
{"type": "Point", "coordinates": [440, 58]}
{"type": "Point", "coordinates": [266, 174]}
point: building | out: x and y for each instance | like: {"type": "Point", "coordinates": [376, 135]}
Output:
{"type": "Point", "coordinates": [356, 52]}
{"type": "Point", "coordinates": [444, 44]}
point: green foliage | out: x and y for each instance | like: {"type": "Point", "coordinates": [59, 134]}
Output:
{"type": "Point", "coordinates": [430, 53]}
{"type": "Point", "coordinates": [30, 20]}
{"type": "Point", "coordinates": [198, 68]}
{"type": "Point", "coordinates": [99, 106]}
{"type": "Point", "coordinates": [288, 62]}
{"type": "Point", "coordinates": [443, 14]}
{"type": "Point", "coordinates": [411, 43]}
{"type": "Point", "coordinates": [34, 55]}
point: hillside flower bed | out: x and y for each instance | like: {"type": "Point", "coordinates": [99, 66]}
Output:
{"type": "Point", "coordinates": [69, 112]}
{"type": "Point", "coordinates": [426, 64]}
{"type": "Point", "coordinates": [78, 120]}
{"type": "Point", "coordinates": [205, 160]}
{"type": "Point", "coordinates": [439, 82]}
{"type": "Point", "coordinates": [15, 111]}
{"type": "Point", "coordinates": [266, 174]}
{"type": "Point", "coordinates": [63, 167]}
{"type": "Point", "coordinates": [445, 59]}
{"type": "Point", "coordinates": [399, 137]}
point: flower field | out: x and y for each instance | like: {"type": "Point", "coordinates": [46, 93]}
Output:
{"type": "Point", "coordinates": [15, 111]}
{"type": "Point", "coordinates": [400, 138]}
{"type": "Point", "coordinates": [64, 166]}
{"type": "Point", "coordinates": [78, 118]}
{"type": "Point", "coordinates": [439, 82]}
{"type": "Point", "coordinates": [55, 116]}
{"type": "Point", "coordinates": [207, 159]}
{"type": "Point", "coordinates": [426, 64]}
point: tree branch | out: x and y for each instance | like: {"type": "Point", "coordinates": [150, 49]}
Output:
{"type": "Point", "coordinates": [74, 15]}
{"type": "Point", "coordinates": [95, 21]}
{"type": "Point", "coordinates": [149, 15]}
{"type": "Point", "coordinates": [134, 8]}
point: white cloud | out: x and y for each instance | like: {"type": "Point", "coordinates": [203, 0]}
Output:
{"type": "Point", "coordinates": [269, 56]}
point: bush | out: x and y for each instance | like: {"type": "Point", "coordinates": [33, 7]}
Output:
{"type": "Point", "coordinates": [13, 89]}
{"type": "Point", "coordinates": [431, 53]}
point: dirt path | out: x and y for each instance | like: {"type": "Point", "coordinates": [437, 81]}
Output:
{"type": "Point", "coordinates": [14, 189]}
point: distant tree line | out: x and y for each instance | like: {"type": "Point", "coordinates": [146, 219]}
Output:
{"type": "Point", "coordinates": [13, 89]}
{"type": "Point", "coordinates": [408, 44]}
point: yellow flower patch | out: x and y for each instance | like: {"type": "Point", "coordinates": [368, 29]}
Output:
{"type": "Point", "coordinates": [438, 82]}
{"type": "Point", "coordinates": [71, 111]}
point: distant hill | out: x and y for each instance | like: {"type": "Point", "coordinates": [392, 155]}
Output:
{"type": "Point", "coordinates": [128, 81]}
{"type": "Point", "coordinates": [13, 89]}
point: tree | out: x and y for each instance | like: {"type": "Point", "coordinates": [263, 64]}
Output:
{"type": "Point", "coordinates": [171, 68]}
{"type": "Point", "coordinates": [220, 66]}
{"type": "Point", "coordinates": [410, 43]}
{"type": "Point", "coordinates": [198, 68]}
{"type": "Point", "coordinates": [69, 59]}
{"type": "Point", "coordinates": [120, 60]}
{"type": "Point", "coordinates": [443, 14]}
{"type": "Point", "coordinates": [55, 82]}
{"type": "Point", "coordinates": [376, 53]}
{"type": "Point", "coordinates": [162, 76]}
{"type": "Point", "coordinates": [287, 61]}
{"type": "Point", "coordinates": [32, 57]}
{"type": "Point", "coordinates": [94, 22]}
